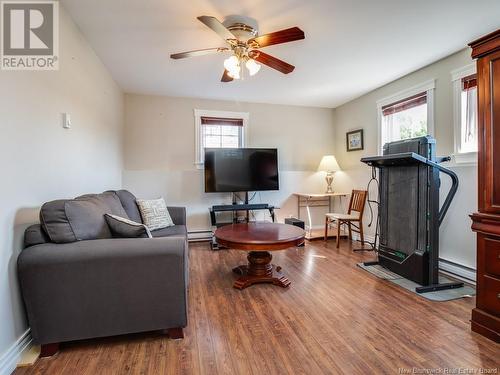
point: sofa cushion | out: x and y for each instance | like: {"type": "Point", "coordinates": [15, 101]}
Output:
{"type": "Point", "coordinates": [124, 228]}
{"type": "Point", "coordinates": [129, 204]}
{"type": "Point", "coordinates": [35, 235]}
{"type": "Point", "coordinates": [55, 222]}
{"type": "Point", "coordinates": [154, 213]}
{"type": "Point", "coordinates": [109, 199]}
{"type": "Point", "coordinates": [81, 218]}
{"type": "Point", "coordinates": [86, 217]}
{"type": "Point", "coordinates": [176, 230]}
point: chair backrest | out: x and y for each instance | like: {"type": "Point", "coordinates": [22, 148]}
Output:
{"type": "Point", "coordinates": [357, 202]}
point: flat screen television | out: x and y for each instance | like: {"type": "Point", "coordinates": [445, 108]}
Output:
{"type": "Point", "coordinates": [241, 169]}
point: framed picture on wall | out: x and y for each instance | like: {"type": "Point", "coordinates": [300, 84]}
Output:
{"type": "Point", "coordinates": [354, 140]}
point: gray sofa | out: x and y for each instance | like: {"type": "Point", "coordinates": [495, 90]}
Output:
{"type": "Point", "coordinates": [79, 282]}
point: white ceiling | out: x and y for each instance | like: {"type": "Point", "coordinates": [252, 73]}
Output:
{"type": "Point", "coordinates": [351, 46]}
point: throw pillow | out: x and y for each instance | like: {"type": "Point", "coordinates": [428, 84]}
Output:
{"type": "Point", "coordinates": [154, 213]}
{"type": "Point", "coordinates": [125, 228]}
{"type": "Point", "coordinates": [86, 218]}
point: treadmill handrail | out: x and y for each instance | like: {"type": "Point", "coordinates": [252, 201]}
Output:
{"type": "Point", "coordinates": [451, 192]}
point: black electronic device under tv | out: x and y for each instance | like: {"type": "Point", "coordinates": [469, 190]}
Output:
{"type": "Point", "coordinates": [241, 169]}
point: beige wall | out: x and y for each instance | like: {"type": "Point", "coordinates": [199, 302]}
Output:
{"type": "Point", "coordinates": [42, 161]}
{"type": "Point", "coordinates": [160, 132]}
{"type": "Point", "coordinates": [457, 241]}
{"type": "Point", "coordinates": [160, 150]}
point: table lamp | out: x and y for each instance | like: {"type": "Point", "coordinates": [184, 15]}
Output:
{"type": "Point", "coordinates": [329, 165]}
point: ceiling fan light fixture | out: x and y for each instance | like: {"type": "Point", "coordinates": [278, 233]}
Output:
{"type": "Point", "coordinates": [244, 42]}
{"type": "Point", "coordinates": [234, 75]}
{"type": "Point", "coordinates": [231, 62]}
{"type": "Point", "coordinates": [252, 66]}
{"type": "Point", "coordinates": [232, 65]}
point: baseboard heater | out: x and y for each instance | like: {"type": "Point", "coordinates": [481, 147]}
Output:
{"type": "Point", "coordinates": [466, 273]}
{"type": "Point", "coordinates": [200, 235]}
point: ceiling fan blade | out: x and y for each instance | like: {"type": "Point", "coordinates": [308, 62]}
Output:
{"type": "Point", "coordinates": [217, 26]}
{"type": "Point", "coordinates": [271, 61]}
{"type": "Point", "coordinates": [199, 52]}
{"type": "Point", "coordinates": [278, 37]}
{"type": "Point", "coordinates": [226, 77]}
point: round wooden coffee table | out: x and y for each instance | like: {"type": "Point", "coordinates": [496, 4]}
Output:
{"type": "Point", "coordinates": [259, 239]}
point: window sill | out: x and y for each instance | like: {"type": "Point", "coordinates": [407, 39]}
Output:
{"type": "Point", "coordinates": [465, 158]}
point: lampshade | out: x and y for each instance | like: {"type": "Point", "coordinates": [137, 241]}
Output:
{"type": "Point", "coordinates": [328, 164]}
{"type": "Point", "coordinates": [252, 67]}
{"type": "Point", "coordinates": [232, 65]}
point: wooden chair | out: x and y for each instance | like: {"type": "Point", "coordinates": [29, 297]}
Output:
{"type": "Point", "coordinates": [354, 215]}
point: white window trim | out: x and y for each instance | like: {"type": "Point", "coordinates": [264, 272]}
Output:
{"type": "Point", "coordinates": [199, 113]}
{"type": "Point", "coordinates": [428, 87]}
{"type": "Point", "coordinates": [464, 71]}
{"type": "Point", "coordinates": [456, 78]}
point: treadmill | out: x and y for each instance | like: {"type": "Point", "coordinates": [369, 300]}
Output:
{"type": "Point", "coordinates": [409, 212]}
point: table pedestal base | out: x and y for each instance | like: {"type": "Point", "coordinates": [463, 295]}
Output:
{"type": "Point", "coordinates": [259, 270]}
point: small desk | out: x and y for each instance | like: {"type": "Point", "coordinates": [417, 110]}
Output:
{"type": "Point", "coordinates": [309, 200]}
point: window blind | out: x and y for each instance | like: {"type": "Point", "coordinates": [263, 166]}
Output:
{"type": "Point", "coordinates": [221, 121]}
{"type": "Point", "coordinates": [403, 105]}
{"type": "Point", "coordinates": [469, 82]}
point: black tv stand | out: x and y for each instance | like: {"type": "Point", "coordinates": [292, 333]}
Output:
{"type": "Point", "coordinates": [238, 207]}
{"type": "Point", "coordinates": [233, 208]}
{"type": "Point", "coordinates": [235, 197]}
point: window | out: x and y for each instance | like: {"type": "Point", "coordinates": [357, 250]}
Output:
{"type": "Point", "coordinates": [219, 129]}
{"type": "Point", "coordinates": [407, 114]}
{"type": "Point", "coordinates": [465, 113]}
{"type": "Point", "coordinates": [468, 114]}
{"type": "Point", "coordinates": [405, 119]}
{"type": "Point", "coordinates": [221, 132]}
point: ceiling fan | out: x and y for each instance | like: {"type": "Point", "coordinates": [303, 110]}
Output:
{"type": "Point", "coordinates": [244, 43]}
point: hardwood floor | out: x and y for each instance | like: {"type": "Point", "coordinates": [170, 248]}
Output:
{"type": "Point", "coordinates": [335, 318]}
